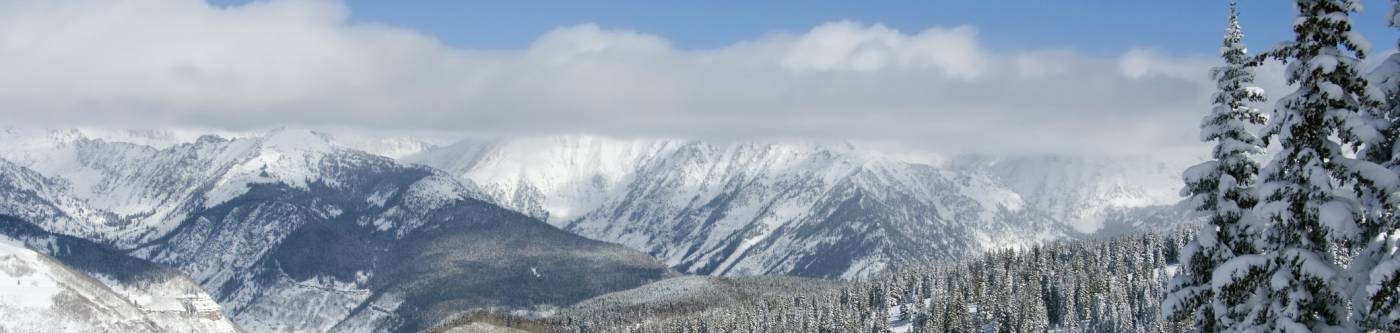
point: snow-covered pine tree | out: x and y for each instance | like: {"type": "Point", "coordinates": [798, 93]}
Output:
{"type": "Point", "coordinates": [1315, 216]}
{"type": "Point", "coordinates": [1385, 78]}
{"type": "Point", "coordinates": [1376, 269]}
{"type": "Point", "coordinates": [1221, 189]}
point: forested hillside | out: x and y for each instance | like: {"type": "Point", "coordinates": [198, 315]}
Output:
{"type": "Point", "coordinates": [1111, 285]}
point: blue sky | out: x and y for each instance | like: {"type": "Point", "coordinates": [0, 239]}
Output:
{"type": "Point", "coordinates": [1096, 27]}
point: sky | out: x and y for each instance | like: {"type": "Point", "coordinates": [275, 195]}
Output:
{"type": "Point", "coordinates": [1098, 27]}
{"type": "Point", "coordinates": [978, 76]}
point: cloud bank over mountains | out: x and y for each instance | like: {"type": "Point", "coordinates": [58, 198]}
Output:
{"type": "Point", "coordinates": [305, 63]}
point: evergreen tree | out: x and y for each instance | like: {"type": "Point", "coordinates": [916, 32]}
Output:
{"type": "Point", "coordinates": [1314, 218]}
{"type": "Point", "coordinates": [1221, 188]}
{"type": "Point", "coordinates": [905, 314]}
{"type": "Point", "coordinates": [1376, 270]}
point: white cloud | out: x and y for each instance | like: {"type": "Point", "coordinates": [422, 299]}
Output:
{"type": "Point", "coordinates": [300, 63]}
{"type": "Point", "coordinates": [1140, 63]}
{"type": "Point", "coordinates": [849, 46]}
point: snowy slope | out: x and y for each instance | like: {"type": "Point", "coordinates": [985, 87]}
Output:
{"type": "Point", "coordinates": [40, 293]}
{"type": "Point", "coordinates": [804, 209]}
{"type": "Point", "coordinates": [44, 295]}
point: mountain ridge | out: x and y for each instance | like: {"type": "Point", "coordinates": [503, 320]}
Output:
{"type": "Point", "coordinates": [703, 207]}
{"type": "Point", "coordinates": [743, 208]}
{"type": "Point", "coordinates": [291, 220]}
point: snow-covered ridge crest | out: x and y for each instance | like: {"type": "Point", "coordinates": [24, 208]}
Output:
{"type": "Point", "coordinates": [150, 190]}
{"type": "Point", "coordinates": [290, 157]}
{"type": "Point", "coordinates": [570, 175]}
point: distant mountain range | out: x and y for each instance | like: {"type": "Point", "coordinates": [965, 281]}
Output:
{"type": "Point", "coordinates": [359, 241]}
{"type": "Point", "coordinates": [807, 209]}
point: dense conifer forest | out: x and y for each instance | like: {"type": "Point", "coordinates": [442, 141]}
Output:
{"type": "Point", "coordinates": [1113, 285]}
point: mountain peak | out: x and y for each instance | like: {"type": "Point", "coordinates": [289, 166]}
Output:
{"type": "Point", "coordinates": [287, 156]}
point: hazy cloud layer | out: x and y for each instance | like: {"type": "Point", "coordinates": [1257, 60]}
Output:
{"type": "Point", "coordinates": [300, 63]}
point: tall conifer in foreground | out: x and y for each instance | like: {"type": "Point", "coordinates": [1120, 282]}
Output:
{"type": "Point", "coordinates": [1315, 215]}
{"type": "Point", "coordinates": [1220, 188]}
{"type": "Point", "coordinates": [1376, 269]}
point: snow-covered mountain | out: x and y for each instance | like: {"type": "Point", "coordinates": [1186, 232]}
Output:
{"type": "Point", "coordinates": [803, 209]}
{"type": "Point", "coordinates": [44, 295]}
{"type": "Point", "coordinates": [292, 220]}
{"type": "Point", "coordinates": [301, 219]}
